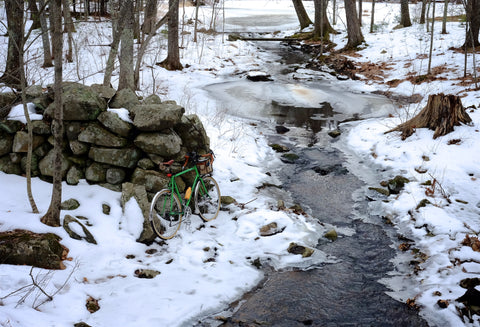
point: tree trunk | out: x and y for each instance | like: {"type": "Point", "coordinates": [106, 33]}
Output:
{"type": "Point", "coordinates": [172, 62]}
{"type": "Point", "coordinates": [150, 17]}
{"type": "Point", "coordinates": [472, 8]}
{"type": "Point", "coordinates": [422, 14]}
{"type": "Point", "coordinates": [52, 217]}
{"type": "Point", "coordinates": [322, 27]}
{"type": "Point", "coordinates": [355, 36]}
{"type": "Point", "coordinates": [405, 14]}
{"type": "Point", "coordinates": [372, 18]}
{"type": "Point", "coordinates": [360, 9]}
{"type": "Point", "coordinates": [14, 9]}
{"type": "Point", "coordinates": [47, 54]}
{"type": "Point", "coordinates": [431, 42]}
{"type": "Point", "coordinates": [444, 20]}
{"type": "Point", "coordinates": [117, 30]}
{"type": "Point", "coordinates": [34, 15]}
{"type": "Point", "coordinates": [69, 29]}
{"type": "Point", "coordinates": [302, 15]}
{"type": "Point", "coordinates": [126, 78]}
{"type": "Point", "coordinates": [28, 170]}
{"type": "Point", "coordinates": [441, 114]}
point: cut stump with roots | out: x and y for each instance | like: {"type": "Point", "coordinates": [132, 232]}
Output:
{"type": "Point", "coordinates": [441, 114]}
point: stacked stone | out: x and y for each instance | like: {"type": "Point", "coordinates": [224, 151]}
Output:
{"type": "Point", "coordinates": [100, 146]}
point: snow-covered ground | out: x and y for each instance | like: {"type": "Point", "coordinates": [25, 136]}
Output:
{"type": "Point", "coordinates": [202, 270]}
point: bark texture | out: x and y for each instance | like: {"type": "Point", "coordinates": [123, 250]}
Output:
{"type": "Point", "coordinates": [172, 62]}
{"type": "Point", "coordinates": [52, 217]}
{"type": "Point", "coordinates": [14, 10]}
{"type": "Point", "coordinates": [302, 15]}
{"type": "Point", "coordinates": [405, 14]}
{"type": "Point", "coordinates": [473, 18]}
{"type": "Point", "coordinates": [441, 114]}
{"type": "Point", "coordinates": [355, 36]}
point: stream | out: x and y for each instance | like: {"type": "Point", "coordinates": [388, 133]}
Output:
{"type": "Point", "coordinates": [329, 182]}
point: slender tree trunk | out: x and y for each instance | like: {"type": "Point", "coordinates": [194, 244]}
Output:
{"type": "Point", "coordinates": [431, 41]}
{"type": "Point", "coordinates": [405, 14]}
{"type": "Point", "coordinates": [150, 17]}
{"type": "Point", "coordinates": [47, 54]}
{"type": "Point", "coordinates": [11, 75]}
{"type": "Point", "coordinates": [144, 46]}
{"type": "Point", "coordinates": [172, 62]}
{"type": "Point", "coordinates": [372, 18]}
{"type": "Point", "coordinates": [23, 83]}
{"type": "Point", "coordinates": [322, 27]}
{"type": "Point", "coordinates": [472, 8]}
{"type": "Point", "coordinates": [422, 14]}
{"type": "Point", "coordinates": [444, 20]}
{"type": "Point", "coordinates": [360, 10]}
{"type": "Point", "coordinates": [52, 217]}
{"type": "Point", "coordinates": [34, 15]}
{"type": "Point", "coordinates": [126, 78]}
{"type": "Point", "coordinates": [355, 36]}
{"type": "Point", "coordinates": [334, 15]}
{"type": "Point", "coordinates": [138, 4]}
{"type": "Point", "coordinates": [118, 25]}
{"type": "Point", "coordinates": [302, 15]}
{"type": "Point", "coordinates": [69, 29]}
{"type": "Point", "coordinates": [197, 5]}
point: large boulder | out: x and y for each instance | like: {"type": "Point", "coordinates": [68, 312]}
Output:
{"type": "Point", "coordinates": [151, 179]}
{"type": "Point", "coordinates": [166, 145]}
{"type": "Point", "coordinates": [193, 134]}
{"type": "Point", "coordinates": [46, 164]}
{"type": "Point", "coordinates": [6, 142]}
{"type": "Point", "coordinates": [124, 98]}
{"type": "Point", "coordinates": [20, 142]}
{"type": "Point", "coordinates": [114, 123]}
{"type": "Point", "coordinates": [96, 173]}
{"type": "Point", "coordinates": [80, 102]}
{"type": "Point", "coordinates": [8, 167]}
{"type": "Point", "coordinates": [98, 135]}
{"type": "Point", "coordinates": [126, 157]}
{"type": "Point", "coordinates": [157, 117]}
{"type": "Point", "coordinates": [139, 193]}
{"type": "Point", "coordinates": [106, 92]}
{"type": "Point", "coordinates": [22, 247]}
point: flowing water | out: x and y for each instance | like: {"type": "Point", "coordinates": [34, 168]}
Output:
{"type": "Point", "coordinates": [327, 181]}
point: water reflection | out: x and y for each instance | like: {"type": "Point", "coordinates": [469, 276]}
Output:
{"type": "Point", "coordinates": [313, 119]}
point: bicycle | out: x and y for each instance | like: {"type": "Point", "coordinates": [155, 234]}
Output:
{"type": "Point", "coordinates": [167, 210]}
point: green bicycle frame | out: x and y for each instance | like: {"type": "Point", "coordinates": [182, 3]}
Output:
{"type": "Point", "coordinates": [173, 187]}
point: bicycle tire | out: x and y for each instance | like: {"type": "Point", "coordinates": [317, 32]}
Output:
{"type": "Point", "coordinates": [207, 198]}
{"type": "Point", "coordinates": [164, 223]}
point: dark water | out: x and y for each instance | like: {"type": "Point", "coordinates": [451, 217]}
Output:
{"type": "Point", "coordinates": [345, 293]}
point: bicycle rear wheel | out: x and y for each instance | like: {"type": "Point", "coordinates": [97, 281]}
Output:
{"type": "Point", "coordinates": [165, 214]}
{"type": "Point", "coordinates": [207, 198]}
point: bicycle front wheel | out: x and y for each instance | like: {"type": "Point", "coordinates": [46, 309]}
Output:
{"type": "Point", "coordinates": [165, 214]}
{"type": "Point", "coordinates": [207, 198]}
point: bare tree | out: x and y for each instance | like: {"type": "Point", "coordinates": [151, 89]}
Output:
{"type": "Point", "coordinates": [355, 36]}
{"type": "Point", "coordinates": [405, 14]}
{"type": "Point", "coordinates": [472, 8]}
{"type": "Point", "coordinates": [150, 17]}
{"type": "Point", "coordinates": [322, 27]}
{"type": "Point", "coordinates": [422, 14]}
{"type": "Point", "coordinates": [444, 20]}
{"type": "Point", "coordinates": [14, 10]}
{"type": "Point", "coordinates": [52, 217]}
{"type": "Point", "coordinates": [360, 9]}
{"type": "Point", "coordinates": [126, 78]}
{"type": "Point", "coordinates": [372, 18]}
{"type": "Point", "coordinates": [431, 41]}
{"type": "Point", "coordinates": [302, 15]}
{"type": "Point", "coordinates": [172, 62]}
{"type": "Point", "coordinates": [47, 54]}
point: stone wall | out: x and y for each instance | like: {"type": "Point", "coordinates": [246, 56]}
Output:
{"type": "Point", "coordinates": [108, 147]}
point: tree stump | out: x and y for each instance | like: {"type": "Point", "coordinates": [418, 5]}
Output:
{"type": "Point", "coordinates": [441, 114]}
